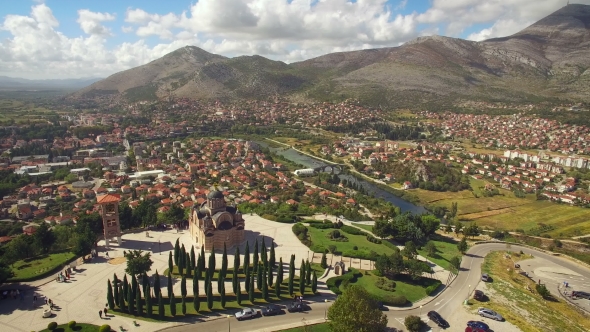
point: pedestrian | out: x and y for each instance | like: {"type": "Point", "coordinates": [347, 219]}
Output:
{"type": "Point", "coordinates": [100, 314]}
{"type": "Point", "coordinates": [45, 300]}
{"type": "Point", "coordinates": [34, 298]}
{"type": "Point", "coordinates": [107, 254]}
{"type": "Point", "coordinates": [105, 311]}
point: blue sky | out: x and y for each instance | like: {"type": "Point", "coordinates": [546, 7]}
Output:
{"type": "Point", "coordinates": [82, 38]}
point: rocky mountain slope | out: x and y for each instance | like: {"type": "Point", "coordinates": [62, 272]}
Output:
{"type": "Point", "coordinates": [549, 59]}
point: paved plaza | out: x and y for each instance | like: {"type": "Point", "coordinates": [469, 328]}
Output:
{"type": "Point", "coordinates": [81, 297]}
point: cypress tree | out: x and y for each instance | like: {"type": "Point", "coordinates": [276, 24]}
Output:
{"type": "Point", "coordinates": [122, 305]}
{"type": "Point", "coordinates": [291, 274]}
{"type": "Point", "coordinates": [193, 260]}
{"type": "Point", "coordinates": [302, 284]}
{"type": "Point", "coordinates": [110, 299]}
{"type": "Point", "coordinates": [239, 294]}
{"type": "Point", "coordinates": [169, 284]}
{"type": "Point", "coordinates": [278, 290]}
{"type": "Point", "coordinates": [211, 265]}
{"type": "Point", "coordinates": [188, 267]}
{"type": "Point", "coordinates": [247, 259]}
{"type": "Point", "coordinates": [235, 281]}
{"type": "Point", "coordinates": [183, 256]}
{"type": "Point", "coordinates": [138, 302]}
{"type": "Point", "coordinates": [324, 262]}
{"type": "Point", "coordinates": [220, 281]}
{"type": "Point", "coordinates": [222, 295]}
{"type": "Point", "coordinates": [170, 266]}
{"type": "Point", "coordinates": [264, 285]}
{"type": "Point", "coordinates": [125, 286]}
{"type": "Point", "coordinates": [183, 307]}
{"type": "Point", "coordinates": [180, 265]}
{"type": "Point", "coordinates": [290, 285]}
{"type": "Point", "coordinates": [224, 261]}
{"type": "Point", "coordinates": [210, 296]}
{"type": "Point", "coordinates": [263, 256]}
{"type": "Point", "coordinates": [156, 283]}
{"type": "Point", "coordinates": [148, 303]}
{"type": "Point", "coordinates": [269, 275]}
{"type": "Point", "coordinates": [173, 305]}
{"type": "Point", "coordinates": [134, 286]}
{"type": "Point", "coordinates": [237, 259]}
{"type": "Point", "coordinates": [195, 284]}
{"type": "Point", "coordinates": [251, 291]}
{"type": "Point", "coordinates": [183, 287]}
{"type": "Point", "coordinates": [202, 259]}
{"type": "Point", "coordinates": [259, 277]}
{"type": "Point", "coordinates": [272, 260]}
{"type": "Point", "coordinates": [314, 283]}
{"type": "Point", "coordinates": [130, 302]}
{"type": "Point", "coordinates": [255, 258]}
{"type": "Point", "coordinates": [247, 281]}
{"type": "Point", "coordinates": [280, 273]}
{"type": "Point", "coordinates": [302, 273]}
{"type": "Point", "coordinates": [196, 302]}
{"type": "Point", "coordinates": [308, 272]}
{"type": "Point", "coordinates": [176, 252]}
{"type": "Point", "coordinates": [116, 285]}
{"type": "Point", "coordinates": [160, 306]}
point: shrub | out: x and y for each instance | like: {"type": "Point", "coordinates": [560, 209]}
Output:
{"type": "Point", "coordinates": [72, 325]}
{"type": "Point", "coordinates": [373, 239]}
{"type": "Point", "coordinates": [385, 284]}
{"type": "Point", "coordinates": [362, 254]}
{"type": "Point", "coordinates": [332, 248]}
{"type": "Point", "coordinates": [52, 326]}
{"type": "Point", "coordinates": [413, 323]}
{"type": "Point", "coordinates": [104, 328]}
{"type": "Point", "coordinates": [338, 224]}
{"type": "Point", "coordinates": [430, 289]}
{"type": "Point", "coordinates": [355, 248]}
{"type": "Point", "coordinates": [269, 217]}
{"type": "Point", "coordinates": [298, 228]}
{"type": "Point", "coordinates": [322, 226]}
{"type": "Point", "coordinates": [335, 235]}
{"type": "Point", "coordinates": [389, 245]}
{"type": "Point", "coordinates": [352, 230]}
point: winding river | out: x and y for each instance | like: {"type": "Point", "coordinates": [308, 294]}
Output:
{"type": "Point", "coordinates": [307, 161]}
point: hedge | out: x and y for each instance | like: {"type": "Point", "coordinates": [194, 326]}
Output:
{"type": "Point", "coordinates": [322, 226]}
{"type": "Point", "coordinates": [104, 328]}
{"type": "Point", "coordinates": [430, 289]}
{"type": "Point", "coordinates": [352, 230]}
{"type": "Point", "coordinates": [344, 280]}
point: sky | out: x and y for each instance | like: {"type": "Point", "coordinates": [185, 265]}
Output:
{"type": "Point", "coordinates": [57, 39]}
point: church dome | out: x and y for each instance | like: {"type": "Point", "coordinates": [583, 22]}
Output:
{"type": "Point", "coordinates": [215, 194]}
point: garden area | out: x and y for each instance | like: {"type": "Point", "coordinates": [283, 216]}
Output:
{"type": "Point", "coordinates": [446, 248]}
{"type": "Point", "coordinates": [39, 266]}
{"type": "Point", "coordinates": [73, 326]}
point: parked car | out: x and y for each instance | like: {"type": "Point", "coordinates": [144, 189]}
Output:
{"type": "Point", "coordinates": [485, 277]}
{"type": "Point", "coordinates": [489, 313]}
{"type": "Point", "coordinates": [583, 295]}
{"type": "Point", "coordinates": [437, 319]}
{"type": "Point", "coordinates": [247, 313]}
{"type": "Point", "coordinates": [478, 295]}
{"type": "Point", "coordinates": [297, 307]}
{"type": "Point", "coordinates": [475, 324]}
{"type": "Point", "coordinates": [271, 310]}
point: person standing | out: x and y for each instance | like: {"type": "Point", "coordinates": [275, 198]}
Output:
{"type": "Point", "coordinates": [100, 314]}
{"type": "Point", "coordinates": [105, 311]}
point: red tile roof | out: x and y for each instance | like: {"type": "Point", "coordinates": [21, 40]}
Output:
{"type": "Point", "coordinates": [108, 198]}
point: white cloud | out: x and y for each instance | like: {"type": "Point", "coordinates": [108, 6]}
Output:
{"type": "Point", "coordinates": [90, 22]}
{"type": "Point", "coordinates": [287, 30]}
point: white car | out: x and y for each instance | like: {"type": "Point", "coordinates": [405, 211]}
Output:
{"type": "Point", "coordinates": [489, 313]}
{"type": "Point", "coordinates": [247, 313]}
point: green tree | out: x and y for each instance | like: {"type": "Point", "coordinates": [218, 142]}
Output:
{"type": "Point", "coordinates": [543, 291]}
{"type": "Point", "coordinates": [43, 237]}
{"type": "Point", "coordinates": [264, 284]}
{"type": "Point", "coordinates": [116, 282]}
{"type": "Point", "coordinates": [169, 286]}
{"type": "Point", "coordinates": [183, 287]}
{"type": "Point", "coordinates": [121, 299]}
{"type": "Point", "coordinates": [110, 298]}
{"type": "Point", "coordinates": [367, 316]}
{"type": "Point", "coordinates": [211, 265]}
{"type": "Point", "coordinates": [170, 265]}
{"type": "Point", "coordinates": [462, 245]}
{"type": "Point", "coordinates": [125, 286]}
{"type": "Point", "coordinates": [458, 227]}
{"type": "Point", "coordinates": [192, 257]}
{"type": "Point", "coordinates": [234, 280]}
{"type": "Point", "coordinates": [160, 306]}
{"type": "Point", "coordinates": [247, 281]}
{"type": "Point", "coordinates": [138, 302]}
{"type": "Point", "coordinates": [259, 269]}
{"type": "Point", "coordinates": [134, 286]}
{"type": "Point", "coordinates": [188, 269]}
{"type": "Point", "coordinates": [224, 260]}
{"type": "Point", "coordinates": [176, 252]}
{"type": "Point", "coordinates": [148, 302]}
{"type": "Point", "coordinates": [255, 258]}
{"type": "Point", "coordinates": [430, 249]}
{"type": "Point", "coordinates": [156, 283]}
{"type": "Point", "coordinates": [202, 260]}
{"type": "Point", "coordinates": [413, 323]}
{"type": "Point", "coordinates": [308, 272]}
{"type": "Point", "coordinates": [269, 274]}
{"type": "Point", "coordinates": [251, 291]}
{"type": "Point", "coordinates": [172, 305]}
{"type": "Point", "coordinates": [196, 302]}
{"type": "Point", "coordinates": [130, 302]}
{"type": "Point", "coordinates": [324, 262]}
{"type": "Point", "coordinates": [210, 296]}
{"type": "Point", "coordinates": [137, 262]}
{"type": "Point", "coordinates": [263, 254]}
{"type": "Point", "coordinates": [222, 295]}
{"type": "Point", "coordinates": [291, 274]}
{"type": "Point", "coordinates": [239, 294]}
{"type": "Point", "coordinates": [455, 263]}
{"type": "Point", "coordinates": [183, 306]}
{"type": "Point", "coordinates": [410, 251]}
{"type": "Point", "coordinates": [471, 230]}
{"type": "Point", "coordinates": [247, 258]}
{"type": "Point", "coordinates": [314, 283]}
{"type": "Point", "coordinates": [220, 282]}
{"type": "Point", "coordinates": [272, 261]}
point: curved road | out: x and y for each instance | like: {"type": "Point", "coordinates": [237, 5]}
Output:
{"type": "Point", "coordinates": [446, 303]}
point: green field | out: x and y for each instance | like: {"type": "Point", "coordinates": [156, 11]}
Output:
{"type": "Point", "coordinates": [34, 267]}
{"type": "Point", "coordinates": [80, 327]}
{"type": "Point", "coordinates": [446, 248]}
{"type": "Point", "coordinates": [363, 226]}
{"type": "Point", "coordinates": [412, 292]}
{"type": "Point", "coordinates": [320, 241]}
{"type": "Point", "coordinates": [323, 327]}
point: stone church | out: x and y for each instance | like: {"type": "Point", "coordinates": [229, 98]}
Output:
{"type": "Point", "coordinates": [214, 223]}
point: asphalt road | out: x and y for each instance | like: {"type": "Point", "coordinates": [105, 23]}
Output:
{"type": "Point", "coordinates": [446, 303]}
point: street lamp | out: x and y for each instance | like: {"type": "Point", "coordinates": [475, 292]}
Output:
{"type": "Point", "coordinates": [228, 323]}
{"type": "Point", "coordinates": [420, 311]}
{"type": "Point", "coordinates": [326, 309]}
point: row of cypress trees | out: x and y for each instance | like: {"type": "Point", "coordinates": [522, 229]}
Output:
{"type": "Point", "coordinates": [259, 275]}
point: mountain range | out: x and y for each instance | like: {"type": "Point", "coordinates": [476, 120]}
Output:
{"type": "Point", "coordinates": [549, 59]}
{"type": "Point", "coordinates": [14, 83]}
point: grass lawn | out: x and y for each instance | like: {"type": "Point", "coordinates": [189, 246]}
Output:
{"type": "Point", "coordinates": [363, 226]}
{"type": "Point", "coordinates": [527, 310]}
{"type": "Point", "coordinates": [320, 241]}
{"type": "Point", "coordinates": [319, 270]}
{"type": "Point", "coordinates": [412, 291]}
{"type": "Point", "coordinates": [231, 302]}
{"type": "Point", "coordinates": [33, 267]}
{"type": "Point", "coordinates": [446, 248]}
{"type": "Point", "coordinates": [80, 327]}
{"type": "Point", "coordinates": [323, 327]}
